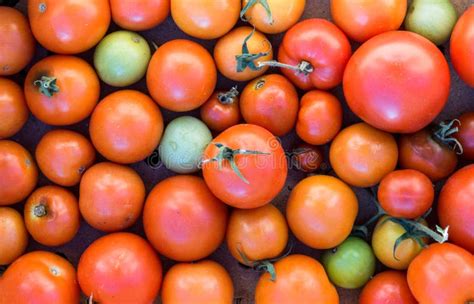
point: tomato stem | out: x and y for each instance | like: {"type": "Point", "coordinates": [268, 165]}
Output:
{"type": "Point", "coordinates": [363, 230]}
{"type": "Point", "coordinates": [251, 3]}
{"type": "Point", "coordinates": [47, 85]}
{"type": "Point", "coordinates": [443, 133]}
{"type": "Point", "coordinates": [40, 210]}
{"type": "Point", "coordinates": [228, 97]}
{"type": "Point", "coordinates": [246, 59]}
{"type": "Point", "coordinates": [303, 67]}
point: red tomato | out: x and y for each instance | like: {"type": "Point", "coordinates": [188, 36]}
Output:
{"type": "Point", "coordinates": [139, 15]}
{"type": "Point", "coordinates": [13, 109]}
{"type": "Point", "coordinates": [14, 236]}
{"type": "Point", "coordinates": [221, 111]}
{"type": "Point", "coordinates": [307, 158]}
{"type": "Point", "coordinates": [465, 135]}
{"type": "Point", "coordinates": [389, 287]}
{"type": "Point", "coordinates": [462, 46]}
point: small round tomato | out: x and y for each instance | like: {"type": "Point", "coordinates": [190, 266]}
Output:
{"type": "Point", "coordinates": [321, 211]}
{"type": "Point", "coordinates": [362, 155]}
{"type": "Point", "coordinates": [387, 287]}
{"type": "Point", "coordinates": [222, 110]}
{"type": "Point", "coordinates": [299, 279]}
{"type": "Point", "coordinates": [69, 26]}
{"type": "Point", "coordinates": [120, 268]}
{"type": "Point", "coordinates": [52, 216]}
{"type": "Point", "coordinates": [307, 158]}
{"type": "Point", "coordinates": [462, 46]}
{"type": "Point", "coordinates": [13, 109]}
{"type": "Point", "coordinates": [270, 101]}
{"type": "Point", "coordinates": [319, 118]}
{"type": "Point", "coordinates": [181, 75]}
{"type": "Point", "coordinates": [14, 235]}
{"type": "Point", "coordinates": [18, 45]}
{"type": "Point", "coordinates": [256, 234]}
{"type": "Point", "coordinates": [183, 220]}
{"type": "Point", "coordinates": [63, 156]}
{"type": "Point", "coordinates": [126, 126]}
{"type": "Point", "coordinates": [139, 15]}
{"type": "Point", "coordinates": [18, 171]}
{"type": "Point", "coordinates": [465, 135]}
{"type": "Point", "coordinates": [62, 90]}
{"type": "Point", "coordinates": [202, 282]}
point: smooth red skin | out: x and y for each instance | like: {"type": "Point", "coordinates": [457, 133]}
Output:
{"type": "Point", "coordinates": [139, 15]}
{"type": "Point", "coordinates": [466, 135]}
{"type": "Point", "coordinates": [320, 43]}
{"type": "Point", "coordinates": [310, 160]}
{"type": "Point", "coordinates": [13, 109]}
{"type": "Point", "coordinates": [388, 287]}
{"type": "Point", "coordinates": [462, 46]}
{"type": "Point", "coordinates": [120, 268]}
{"type": "Point", "coordinates": [218, 116]}
{"type": "Point", "coordinates": [456, 207]}
{"type": "Point", "coordinates": [397, 82]}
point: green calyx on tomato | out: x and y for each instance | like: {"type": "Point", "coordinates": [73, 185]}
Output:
{"type": "Point", "coordinates": [246, 59]}
{"type": "Point", "coordinates": [47, 85]}
{"type": "Point", "coordinates": [363, 230]}
{"type": "Point", "coordinates": [228, 97]}
{"type": "Point", "coordinates": [251, 3]}
{"type": "Point", "coordinates": [443, 134]}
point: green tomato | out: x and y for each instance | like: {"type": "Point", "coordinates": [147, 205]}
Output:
{"type": "Point", "coordinates": [183, 144]}
{"type": "Point", "coordinates": [122, 58]}
{"type": "Point", "coordinates": [351, 264]}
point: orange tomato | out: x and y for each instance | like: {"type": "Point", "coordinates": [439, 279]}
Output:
{"type": "Point", "coordinates": [13, 109]}
{"type": "Point", "coordinates": [387, 287]}
{"type": "Point", "coordinates": [139, 15]}
{"type": "Point", "coordinates": [221, 111]}
{"type": "Point", "coordinates": [14, 235]}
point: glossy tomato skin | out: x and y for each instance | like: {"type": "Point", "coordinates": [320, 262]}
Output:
{"type": "Point", "coordinates": [299, 279]}
{"type": "Point", "coordinates": [120, 268]}
{"type": "Point", "coordinates": [387, 287]}
{"type": "Point", "coordinates": [219, 116]}
{"type": "Point", "coordinates": [69, 26]}
{"type": "Point", "coordinates": [270, 101]}
{"type": "Point", "coordinates": [320, 43]}
{"type": "Point", "coordinates": [16, 39]}
{"type": "Point", "coordinates": [13, 109]}
{"type": "Point", "coordinates": [466, 135]}
{"type": "Point", "coordinates": [462, 46]}
{"type": "Point", "coordinates": [266, 173]}
{"type": "Point", "coordinates": [202, 282]}
{"type": "Point", "coordinates": [183, 220]}
{"type": "Point", "coordinates": [14, 236]}
{"type": "Point", "coordinates": [383, 89]}
{"type": "Point", "coordinates": [78, 86]}
{"type": "Point", "coordinates": [139, 15]}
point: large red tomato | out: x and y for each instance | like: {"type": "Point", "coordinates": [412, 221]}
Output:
{"type": "Point", "coordinates": [388, 287]}
{"type": "Point", "coordinates": [139, 15]}
{"type": "Point", "coordinates": [462, 46]}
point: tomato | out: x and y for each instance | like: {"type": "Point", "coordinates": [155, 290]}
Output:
{"type": "Point", "coordinates": [362, 155]}
{"type": "Point", "coordinates": [465, 135]}
{"type": "Point", "coordinates": [18, 171]}
{"type": "Point", "coordinates": [52, 216]}
{"type": "Point", "coordinates": [111, 197]}
{"type": "Point", "coordinates": [362, 20]}
{"type": "Point", "coordinates": [387, 287]}
{"type": "Point", "coordinates": [181, 75]}
{"type": "Point", "coordinates": [14, 235]}
{"type": "Point", "coordinates": [126, 126]}
{"type": "Point", "coordinates": [321, 211]}
{"type": "Point", "coordinates": [222, 110]}
{"type": "Point", "coordinates": [13, 109]}
{"type": "Point", "coordinates": [202, 282]}
{"type": "Point", "coordinates": [69, 26]}
{"type": "Point", "coordinates": [256, 178]}
{"type": "Point", "coordinates": [406, 193]}
{"type": "Point", "coordinates": [120, 268]}
{"type": "Point", "coordinates": [307, 158]}
{"type": "Point", "coordinates": [270, 101]}
{"type": "Point", "coordinates": [63, 156]}
{"type": "Point", "coordinates": [281, 15]}
{"type": "Point", "coordinates": [205, 19]}
{"type": "Point", "coordinates": [456, 207]}
{"type": "Point", "coordinates": [42, 277]}
{"type": "Point", "coordinates": [183, 220]}
{"type": "Point", "coordinates": [62, 90]}
{"type": "Point", "coordinates": [299, 279]}
{"type": "Point", "coordinates": [380, 87]}
{"type": "Point", "coordinates": [462, 46]}
{"type": "Point", "coordinates": [229, 47]}
{"type": "Point", "coordinates": [319, 117]}
{"type": "Point", "coordinates": [256, 234]}
{"type": "Point", "coordinates": [442, 273]}
{"type": "Point", "coordinates": [139, 15]}
{"type": "Point", "coordinates": [18, 44]}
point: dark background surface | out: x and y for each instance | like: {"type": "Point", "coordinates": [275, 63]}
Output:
{"type": "Point", "coordinates": [461, 100]}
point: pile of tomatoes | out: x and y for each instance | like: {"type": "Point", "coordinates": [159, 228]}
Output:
{"type": "Point", "coordinates": [226, 171]}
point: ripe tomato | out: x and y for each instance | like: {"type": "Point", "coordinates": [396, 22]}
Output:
{"type": "Point", "coordinates": [14, 235]}
{"type": "Point", "coordinates": [462, 46]}
{"type": "Point", "coordinates": [466, 135]}
{"type": "Point", "coordinates": [299, 279]}
{"type": "Point", "coordinates": [262, 176]}
{"type": "Point", "coordinates": [126, 126]}
{"type": "Point", "coordinates": [69, 26]}
{"type": "Point", "coordinates": [362, 20]}
{"type": "Point", "coordinates": [18, 171]}
{"type": "Point", "coordinates": [319, 118]}
{"type": "Point", "coordinates": [379, 82]}
{"type": "Point", "coordinates": [13, 109]}
{"type": "Point", "coordinates": [52, 216]}
{"type": "Point", "coordinates": [63, 156]}
{"type": "Point", "coordinates": [387, 287]}
{"type": "Point", "coordinates": [120, 268]}
{"type": "Point", "coordinates": [321, 211]}
{"type": "Point", "coordinates": [18, 45]}
{"type": "Point", "coordinates": [221, 111]}
{"type": "Point", "coordinates": [139, 15]}
{"type": "Point", "coordinates": [362, 155]}
{"type": "Point", "coordinates": [307, 158]}
{"type": "Point", "coordinates": [406, 193]}
{"type": "Point", "coordinates": [62, 90]}
{"type": "Point", "coordinates": [256, 234]}
{"type": "Point", "coordinates": [202, 282]}
{"type": "Point", "coordinates": [183, 220]}
{"type": "Point", "coordinates": [111, 197]}
{"type": "Point", "coordinates": [270, 101]}
{"type": "Point", "coordinates": [181, 75]}
{"type": "Point", "coordinates": [442, 273]}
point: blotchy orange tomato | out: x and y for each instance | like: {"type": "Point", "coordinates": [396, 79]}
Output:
{"type": "Point", "coordinates": [387, 287]}
{"type": "Point", "coordinates": [14, 236]}
{"type": "Point", "coordinates": [13, 109]}
{"type": "Point", "coordinates": [139, 15]}
{"type": "Point", "coordinates": [221, 111]}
